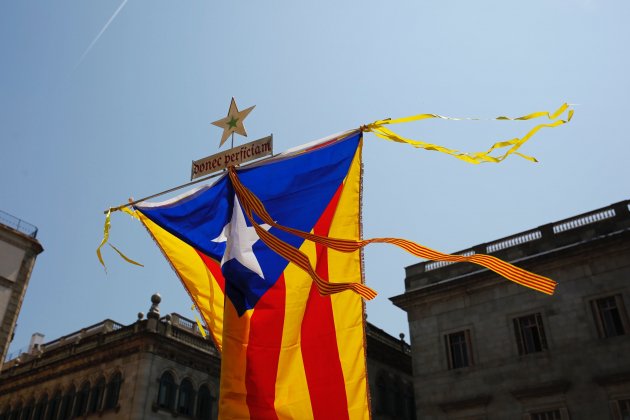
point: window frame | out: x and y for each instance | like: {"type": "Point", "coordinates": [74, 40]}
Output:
{"type": "Point", "coordinates": [204, 390]}
{"type": "Point", "coordinates": [186, 387]}
{"type": "Point", "coordinates": [112, 391]}
{"type": "Point", "coordinates": [82, 400]}
{"type": "Point", "coordinates": [40, 407]}
{"type": "Point", "coordinates": [520, 331]}
{"type": "Point", "coordinates": [598, 317]}
{"type": "Point", "coordinates": [97, 396]}
{"type": "Point", "coordinates": [616, 408]}
{"type": "Point", "coordinates": [467, 345]}
{"type": "Point", "coordinates": [410, 403]}
{"type": "Point", "coordinates": [30, 406]}
{"type": "Point", "coordinates": [52, 409]}
{"type": "Point", "coordinates": [170, 389]}
{"type": "Point", "coordinates": [561, 410]}
{"type": "Point", "coordinates": [16, 412]}
{"type": "Point", "coordinates": [382, 398]}
{"type": "Point", "coordinates": [67, 403]}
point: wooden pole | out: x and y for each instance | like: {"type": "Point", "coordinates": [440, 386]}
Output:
{"type": "Point", "coordinates": [131, 203]}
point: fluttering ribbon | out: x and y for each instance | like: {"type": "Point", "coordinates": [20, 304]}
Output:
{"type": "Point", "coordinates": [379, 129]}
{"type": "Point", "coordinates": [106, 228]}
{"type": "Point", "coordinates": [252, 205]}
{"type": "Point", "coordinates": [202, 330]}
{"type": "Point", "coordinates": [108, 225]}
{"type": "Point", "coordinates": [289, 252]}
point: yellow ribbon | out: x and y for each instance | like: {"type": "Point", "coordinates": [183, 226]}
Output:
{"type": "Point", "coordinates": [252, 204]}
{"type": "Point", "coordinates": [201, 328]}
{"type": "Point", "coordinates": [130, 212]}
{"type": "Point", "coordinates": [106, 228]}
{"type": "Point", "coordinates": [108, 225]}
{"type": "Point", "coordinates": [379, 129]}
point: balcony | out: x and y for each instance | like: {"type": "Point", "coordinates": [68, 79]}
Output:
{"type": "Point", "coordinates": [17, 224]}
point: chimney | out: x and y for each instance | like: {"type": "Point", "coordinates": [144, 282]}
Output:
{"type": "Point", "coordinates": [37, 340]}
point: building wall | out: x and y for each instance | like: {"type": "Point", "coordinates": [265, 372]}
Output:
{"type": "Point", "coordinates": [154, 367]}
{"type": "Point", "coordinates": [140, 353]}
{"type": "Point", "coordinates": [17, 258]}
{"type": "Point", "coordinates": [389, 376]}
{"type": "Point", "coordinates": [580, 374]}
{"type": "Point", "coordinates": [391, 392]}
{"type": "Point", "coordinates": [61, 379]}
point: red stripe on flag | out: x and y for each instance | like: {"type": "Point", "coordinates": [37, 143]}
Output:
{"type": "Point", "coordinates": [214, 268]}
{"type": "Point", "coordinates": [320, 353]}
{"type": "Point", "coordinates": [263, 352]}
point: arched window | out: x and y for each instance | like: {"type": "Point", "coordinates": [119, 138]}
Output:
{"type": "Point", "coordinates": [113, 391]}
{"type": "Point", "coordinates": [16, 413]}
{"type": "Point", "coordinates": [96, 397]}
{"type": "Point", "coordinates": [40, 408]}
{"type": "Point", "coordinates": [166, 393]}
{"type": "Point", "coordinates": [391, 398]}
{"type": "Point", "coordinates": [204, 403]}
{"type": "Point", "coordinates": [5, 412]}
{"type": "Point", "coordinates": [65, 412]}
{"type": "Point", "coordinates": [186, 398]}
{"type": "Point", "coordinates": [28, 410]}
{"type": "Point", "coordinates": [53, 406]}
{"type": "Point", "coordinates": [399, 406]}
{"type": "Point", "coordinates": [410, 405]}
{"type": "Point", "coordinates": [81, 403]}
{"type": "Point", "coordinates": [382, 397]}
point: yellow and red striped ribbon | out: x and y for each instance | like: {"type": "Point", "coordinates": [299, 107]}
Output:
{"type": "Point", "coordinates": [251, 204]}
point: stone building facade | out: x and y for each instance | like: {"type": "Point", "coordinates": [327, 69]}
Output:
{"type": "Point", "coordinates": [155, 368]}
{"type": "Point", "coordinates": [18, 250]}
{"type": "Point", "coordinates": [389, 375]}
{"type": "Point", "coordinates": [159, 368]}
{"type": "Point", "coordinates": [484, 348]}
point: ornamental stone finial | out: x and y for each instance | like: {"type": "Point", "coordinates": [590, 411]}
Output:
{"type": "Point", "coordinates": [154, 311]}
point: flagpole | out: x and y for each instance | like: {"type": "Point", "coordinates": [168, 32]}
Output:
{"type": "Point", "coordinates": [131, 203]}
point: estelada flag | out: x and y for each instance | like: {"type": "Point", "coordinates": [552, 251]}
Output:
{"type": "Point", "coordinates": [286, 350]}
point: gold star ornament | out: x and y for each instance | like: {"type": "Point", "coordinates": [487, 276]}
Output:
{"type": "Point", "coordinates": [233, 123]}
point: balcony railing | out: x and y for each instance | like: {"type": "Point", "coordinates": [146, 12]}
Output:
{"type": "Point", "coordinates": [18, 224]}
{"type": "Point", "coordinates": [617, 211]}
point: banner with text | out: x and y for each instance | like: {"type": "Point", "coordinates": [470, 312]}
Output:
{"type": "Point", "coordinates": [235, 156]}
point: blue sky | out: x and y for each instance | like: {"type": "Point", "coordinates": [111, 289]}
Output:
{"type": "Point", "coordinates": [80, 135]}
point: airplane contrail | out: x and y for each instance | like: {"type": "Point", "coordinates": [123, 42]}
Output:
{"type": "Point", "coordinates": [95, 40]}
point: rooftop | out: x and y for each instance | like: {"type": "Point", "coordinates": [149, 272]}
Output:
{"type": "Point", "coordinates": [596, 224]}
{"type": "Point", "coordinates": [18, 224]}
{"type": "Point", "coordinates": [173, 326]}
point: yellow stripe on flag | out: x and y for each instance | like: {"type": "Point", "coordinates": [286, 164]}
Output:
{"type": "Point", "coordinates": [252, 204]}
{"type": "Point", "coordinates": [292, 394]}
{"type": "Point", "coordinates": [233, 401]}
{"type": "Point", "coordinates": [347, 307]}
{"type": "Point", "coordinates": [194, 275]}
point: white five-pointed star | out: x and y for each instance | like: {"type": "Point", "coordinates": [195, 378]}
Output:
{"type": "Point", "coordinates": [239, 240]}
